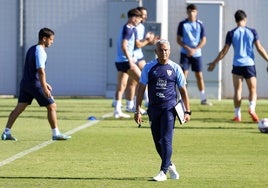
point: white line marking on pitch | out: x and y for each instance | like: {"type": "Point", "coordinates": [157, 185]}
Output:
{"type": "Point", "coordinates": [44, 144]}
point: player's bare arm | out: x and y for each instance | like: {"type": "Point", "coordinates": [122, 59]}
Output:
{"type": "Point", "coordinates": [220, 56]}
{"type": "Point", "coordinates": [140, 93]}
{"type": "Point", "coordinates": [46, 87]}
{"type": "Point", "coordinates": [186, 101]}
{"type": "Point", "coordinates": [189, 50]}
{"type": "Point", "coordinates": [126, 52]}
{"type": "Point", "coordinates": [149, 39]}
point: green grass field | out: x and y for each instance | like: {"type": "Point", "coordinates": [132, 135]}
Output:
{"type": "Point", "coordinates": [209, 151]}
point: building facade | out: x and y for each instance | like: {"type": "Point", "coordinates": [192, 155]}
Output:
{"type": "Point", "coordinates": [80, 62]}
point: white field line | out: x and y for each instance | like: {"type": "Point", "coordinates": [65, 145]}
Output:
{"type": "Point", "coordinates": [44, 144]}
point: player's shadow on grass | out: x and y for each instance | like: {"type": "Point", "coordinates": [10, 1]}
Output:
{"type": "Point", "coordinates": [76, 178]}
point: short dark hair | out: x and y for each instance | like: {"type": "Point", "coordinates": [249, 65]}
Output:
{"type": "Point", "coordinates": [191, 7]}
{"type": "Point", "coordinates": [240, 15]}
{"type": "Point", "coordinates": [45, 32]}
{"type": "Point", "coordinates": [141, 8]}
{"type": "Point", "coordinates": [134, 12]}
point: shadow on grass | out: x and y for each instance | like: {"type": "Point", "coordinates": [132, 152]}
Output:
{"type": "Point", "coordinates": [219, 127]}
{"type": "Point", "coordinates": [76, 178]}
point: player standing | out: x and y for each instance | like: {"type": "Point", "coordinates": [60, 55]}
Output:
{"type": "Point", "coordinates": [34, 86]}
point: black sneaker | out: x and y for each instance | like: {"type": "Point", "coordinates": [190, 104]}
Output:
{"type": "Point", "coordinates": [8, 137]}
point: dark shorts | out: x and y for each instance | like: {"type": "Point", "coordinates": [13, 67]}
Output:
{"type": "Point", "coordinates": [194, 62]}
{"type": "Point", "coordinates": [122, 66]}
{"type": "Point", "coordinates": [30, 92]}
{"type": "Point", "coordinates": [245, 71]}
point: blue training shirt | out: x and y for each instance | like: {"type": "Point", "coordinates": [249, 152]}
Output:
{"type": "Point", "coordinates": [242, 39]}
{"type": "Point", "coordinates": [126, 33]}
{"type": "Point", "coordinates": [140, 35]}
{"type": "Point", "coordinates": [35, 58]}
{"type": "Point", "coordinates": [191, 33]}
{"type": "Point", "coordinates": [162, 81]}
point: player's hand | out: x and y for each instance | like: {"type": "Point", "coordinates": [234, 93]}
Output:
{"type": "Point", "coordinates": [187, 117]}
{"type": "Point", "coordinates": [150, 37]}
{"type": "Point", "coordinates": [49, 87]}
{"type": "Point", "coordinates": [156, 38]}
{"type": "Point", "coordinates": [138, 118]}
{"type": "Point", "coordinates": [211, 66]}
{"type": "Point", "coordinates": [191, 52]}
{"type": "Point", "coordinates": [47, 92]}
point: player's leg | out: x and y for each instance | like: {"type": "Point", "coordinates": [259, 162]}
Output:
{"type": "Point", "coordinates": [154, 118]}
{"type": "Point", "coordinates": [197, 66]}
{"type": "Point", "coordinates": [122, 79]}
{"type": "Point", "coordinates": [20, 107]}
{"type": "Point", "coordinates": [184, 63]}
{"type": "Point", "coordinates": [237, 99]}
{"type": "Point", "coordinates": [53, 122]}
{"type": "Point", "coordinates": [252, 87]}
{"type": "Point", "coordinates": [52, 115]}
{"type": "Point", "coordinates": [15, 114]}
{"type": "Point", "coordinates": [167, 129]}
{"type": "Point", "coordinates": [134, 72]}
{"type": "Point", "coordinates": [24, 100]}
{"type": "Point", "coordinates": [200, 82]}
{"type": "Point", "coordinates": [130, 94]}
{"type": "Point", "coordinates": [49, 103]}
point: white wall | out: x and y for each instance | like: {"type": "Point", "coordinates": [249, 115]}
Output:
{"type": "Point", "coordinates": [8, 46]}
{"type": "Point", "coordinates": [77, 59]}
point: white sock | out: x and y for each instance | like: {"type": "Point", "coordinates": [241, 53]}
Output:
{"type": "Point", "coordinates": [117, 108]}
{"type": "Point", "coordinates": [252, 106]}
{"type": "Point", "coordinates": [238, 112]}
{"type": "Point", "coordinates": [7, 130]}
{"type": "Point", "coordinates": [130, 104]}
{"type": "Point", "coordinates": [55, 131]}
{"type": "Point", "coordinates": [202, 95]}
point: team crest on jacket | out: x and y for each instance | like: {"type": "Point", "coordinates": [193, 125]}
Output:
{"type": "Point", "coordinates": [169, 72]}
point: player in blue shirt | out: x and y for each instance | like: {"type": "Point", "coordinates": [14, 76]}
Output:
{"type": "Point", "coordinates": [163, 77]}
{"type": "Point", "coordinates": [191, 37]}
{"type": "Point", "coordinates": [34, 86]}
{"type": "Point", "coordinates": [125, 62]}
{"type": "Point", "coordinates": [141, 39]}
{"type": "Point", "coordinates": [243, 40]}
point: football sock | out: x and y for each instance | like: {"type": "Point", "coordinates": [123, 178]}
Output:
{"type": "Point", "coordinates": [202, 95]}
{"type": "Point", "coordinates": [118, 106]}
{"type": "Point", "coordinates": [130, 104]}
{"type": "Point", "coordinates": [252, 106]}
{"type": "Point", "coordinates": [7, 131]}
{"type": "Point", "coordinates": [55, 131]}
{"type": "Point", "coordinates": [238, 112]}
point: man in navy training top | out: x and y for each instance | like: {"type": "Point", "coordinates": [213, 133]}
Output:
{"type": "Point", "coordinates": [191, 37]}
{"type": "Point", "coordinates": [34, 86]}
{"type": "Point", "coordinates": [243, 40]}
{"type": "Point", "coordinates": [162, 77]}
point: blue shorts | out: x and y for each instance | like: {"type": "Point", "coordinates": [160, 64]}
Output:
{"type": "Point", "coordinates": [245, 71]}
{"type": "Point", "coordinates": [122, 66]}
{"type": "Point", "coordinates": [28, 92]}
{"type": "Point", "coordinates": [194, 62]}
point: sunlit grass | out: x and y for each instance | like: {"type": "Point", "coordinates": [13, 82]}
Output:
{"type": "Point", "coordinates": [209, 151]}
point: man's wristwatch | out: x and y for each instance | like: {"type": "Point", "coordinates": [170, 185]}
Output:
{"type": "Point", "coordinates": [188, 112]}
